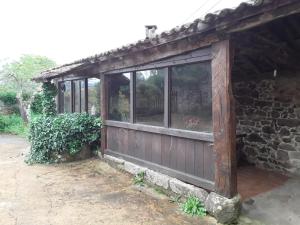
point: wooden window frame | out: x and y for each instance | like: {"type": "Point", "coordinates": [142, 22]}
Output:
{"type": "Point", "coordinates": [199, 57]}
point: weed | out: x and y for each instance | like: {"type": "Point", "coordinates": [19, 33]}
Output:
{"type": "Point", "coordinates": [175, 199]}
{"type": "Point", "coordinates": [193, 206]}
{"type": "Point", "coordinates": [139, 178]}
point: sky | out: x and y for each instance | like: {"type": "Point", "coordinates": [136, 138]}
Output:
{"type": "Point", "coordinates": [67, 30]}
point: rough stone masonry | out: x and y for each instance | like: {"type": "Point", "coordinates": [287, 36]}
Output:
{"type": "Point", "coordinates": [268, 119]}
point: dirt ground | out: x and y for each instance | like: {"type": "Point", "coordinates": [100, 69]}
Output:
{"type": "Point", "coordinates": [82, 193]}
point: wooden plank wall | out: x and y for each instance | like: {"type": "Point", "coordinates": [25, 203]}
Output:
{"type": "Point", "coordinates": [189, 157]}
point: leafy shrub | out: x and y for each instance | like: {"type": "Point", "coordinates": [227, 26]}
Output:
{"type": "Point", "coordinates": [8, 98]}
{"type": "Point", "coordinates": [13, 124]}
{"type": "Point", "coordinates": [194, 207]}
{"type": "Point", "coordinates": [48, 101]}
{"type": "Point", "coordinates": [51, 136]}
{"type": "Point", "coordinates": [36, 106]}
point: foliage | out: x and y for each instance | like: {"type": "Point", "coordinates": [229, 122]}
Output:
{"type": "Point", "coordinates": [13, 124]}
{"type": "Point", "coordinates": [194, 207]}
{"type": "Point", "coordinates": [139, 178]}
{"type": "Point", "coordinates": [36, 106]}
{"type": "Point", "coordinates": [48, 101]}
{"type": "Point", "coordinates": [51, 136]}
{"type": "Point", "coordinates": [17, 75]}
{"type": "Point", "coordinates": [9, 98]}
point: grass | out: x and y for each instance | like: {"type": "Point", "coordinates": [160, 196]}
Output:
{"type": "Point", "coordinates": [13, 124]}
{"type": "Point", "coordinates": [193, 206]}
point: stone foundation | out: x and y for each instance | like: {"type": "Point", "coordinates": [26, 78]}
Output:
{"type": "Point", "coordinates": [223, 209]}
{"type": "Point", "coordinates": [268, 122]}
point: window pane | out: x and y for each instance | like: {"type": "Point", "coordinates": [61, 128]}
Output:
{"type": "Point", "coordinates": [94, 96]}
{"type": "Point", "coordinates": [150, 97]}
{"type": "Point", "coordinates": [76, 84]}
{"type": "Point", "coordinates": [67, 97]}
{"type": "Point", "coordinates": [119, 97]}
{"type": "Point", "coordinates": [82, 95]}
{"type": "Point", "coordinates": [191, 90]}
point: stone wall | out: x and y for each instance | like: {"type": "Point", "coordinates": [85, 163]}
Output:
{"type": "Point", "coordinates": [268, 118]}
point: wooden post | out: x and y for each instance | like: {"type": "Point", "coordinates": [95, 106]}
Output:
{"type": "Point", "coordinates": [104, 111]}
{"type": "Point", "coordinates": [223, 120]}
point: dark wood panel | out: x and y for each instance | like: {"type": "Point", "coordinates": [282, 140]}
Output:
{"type": "Point", "coordinates": [188, 157]}
{"type": "Point", "coordinates": [199, 159]}
{"type": "Point", "coordinates": [224, 120]}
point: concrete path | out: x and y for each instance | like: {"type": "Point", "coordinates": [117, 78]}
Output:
{"type": "Point", "coordinates": [83, 193]}
{"type": "Point", "coordinates": [280, 206]}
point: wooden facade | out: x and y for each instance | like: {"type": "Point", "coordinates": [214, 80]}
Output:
{"type": "Point", "coordinates": [205, 159]}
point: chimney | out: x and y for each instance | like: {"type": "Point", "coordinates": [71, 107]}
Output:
{"type": "Point", "coordinates": [150, 31]}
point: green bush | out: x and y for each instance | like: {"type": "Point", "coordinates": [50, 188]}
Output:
{"type": "Point", "coordinates": [48, 99]}
{"type": "Point", "coordinates": [13, 124]}
{"type": "Point", "coordinates": [8, 98]}
{"type": "Point", "coordinates": [51, 136]}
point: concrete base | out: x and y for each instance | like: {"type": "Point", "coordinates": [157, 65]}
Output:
{"type": "Point", "coordinates": [276, 207]}
{"type": "Point", "coordinates": [223, 209]}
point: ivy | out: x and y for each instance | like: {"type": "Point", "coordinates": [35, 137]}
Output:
{"type": "Point", "coordinates": [48, 99]}
{"type": "Point", "coordinates": [51, 136]}
{"type": "Point", "coordinates": [36, 106]}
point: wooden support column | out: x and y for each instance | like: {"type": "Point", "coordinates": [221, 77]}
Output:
{"type": "Point", "coordinates": [224, 120]}
{"type": "Point", "coordinates": [104, 111]}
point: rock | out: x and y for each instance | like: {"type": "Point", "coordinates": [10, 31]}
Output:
{"type": "Point", "coordinates": [288, 122]}
{"type": "Point", "coordinates": [255, 138]}
{"type": "Point", "coordinates": [268, 130]}
{"type": "Point", "coordinates": [297, 138]}
{"type": "Point", "coordinates": [282, 155]}
{"type": "Point", "coordinates": [157, 179]}
{"type": "Point", "coordinates": [223, 209]}
{"type": "Point", "coordinates": [185, 189]}
{"type": "Point", "coordinates": [287, 147]}
{"type": "Point", "coordinates": [133, 168]}
{"type": "Point", "coordinates": [284, 132]}
{"type": "Point", "coordinates": [114, 159]}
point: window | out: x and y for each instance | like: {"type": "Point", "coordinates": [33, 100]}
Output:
{"type": "Point", "coordinates": [94, 96]}
{"type": "Point", "coordinates": [79, 95]}
{"type": "Point", "coordinates": [191, 97]}
{"type": "Point", "coordinates": [150, 97]}
{"type": "Point", "coordinates": [65, 91]}
{"type": "Point", "coordinates": [119, 97]}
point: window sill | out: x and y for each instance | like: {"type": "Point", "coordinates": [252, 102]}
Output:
{"type": "Point", "coordinates": [202, 136]}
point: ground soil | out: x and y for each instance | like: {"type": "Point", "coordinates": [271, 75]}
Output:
{"type": "Point", "coordinates": [87, 192]}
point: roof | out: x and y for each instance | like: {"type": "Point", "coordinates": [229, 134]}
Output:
{"type": "Point", "coordinates": [210, 22]}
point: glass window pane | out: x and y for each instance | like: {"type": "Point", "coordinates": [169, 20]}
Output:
{"type": "Point", "coordinates": [191, 91]}
{"type": "Point", "coordinates": [119, 97]}
{"type": "Point", "coordinates": [94, 96]}
{"type": "Point", "coordinates": [82, 95]}
{"type": "Point", "coordinates": [76, 84]}
{"type": "Point", "coordinates": [67, 97]}
{"type": "Point", "coordinates": [150, 97]}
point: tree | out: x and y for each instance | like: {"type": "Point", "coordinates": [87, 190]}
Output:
{"type": "Point", "coordinates": [17, 76]}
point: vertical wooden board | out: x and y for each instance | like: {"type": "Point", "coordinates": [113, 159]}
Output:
{"type": "Point", "coordinates": [148, 147]}
{"type": "Point", "coordinates": [199, 159]}
{"type": "Point", "coordinates": [108, 139]}
{"type": "Point", "coordinates": [173, 153]}
{"type": "Point", "coordinates": [208, 162]}
{"type": "Point", "coordinates": [131, 142]}
{"type": "Point", "coordinates": [140, 144]}
{"type": "Point", "coordinates": [190, 157]}
{"type": "Point", "coordinates": [165, 150]}
{"type": "Point", "coordinates": [180, 156]}
{"type": "Point", "coordinates": [123, 140]}
{"type": "Point", "coordinates": [156, 148]}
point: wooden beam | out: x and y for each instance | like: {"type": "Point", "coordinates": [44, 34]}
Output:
{"type": "Point", "coordinates": [104, 112]}
{"type": "Point", "coordinates": [223, 120]}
